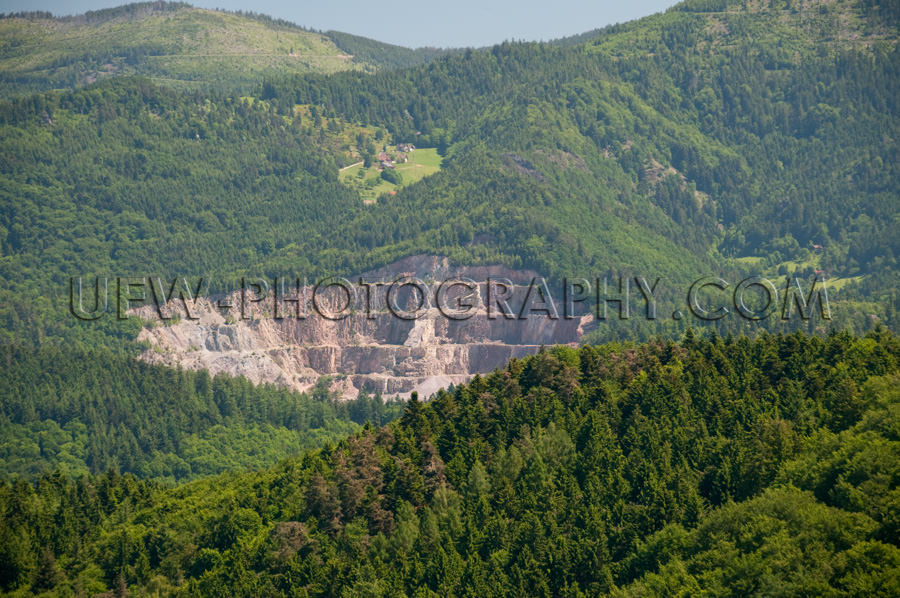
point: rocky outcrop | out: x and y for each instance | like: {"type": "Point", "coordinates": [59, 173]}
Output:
{"type": "Point", "coordinates": [370, 349]}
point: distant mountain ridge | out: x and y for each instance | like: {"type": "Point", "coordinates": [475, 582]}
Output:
{"type": "Point", "coordinates": [178, 44]}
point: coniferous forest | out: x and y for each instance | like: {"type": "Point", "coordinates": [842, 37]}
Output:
{"type": "Point", "coordinates": [663, 457]}
{"type": "Point", "coordinates": [722, 466]}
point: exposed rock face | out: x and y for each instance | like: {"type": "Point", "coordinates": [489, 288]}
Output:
{"type": "Point", "coordinates": [372, 349]}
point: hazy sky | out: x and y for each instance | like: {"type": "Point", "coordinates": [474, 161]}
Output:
{"type": "Point", "coordinates": [413, 22]}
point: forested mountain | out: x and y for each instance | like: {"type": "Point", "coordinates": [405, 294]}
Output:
{"type": "Point", "coordinates": [714, 138]}
{"type": "Point", "coordinates": [722, 137]}
{"type": "Point", "coordinates": [179, 45]}
{"type": "Point", "coordinates": [769, 115]}
{"type": "Point", "coordinates": [722, 466]}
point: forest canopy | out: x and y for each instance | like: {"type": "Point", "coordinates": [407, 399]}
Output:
{"type": "Point", "coordinates": [650, 467]}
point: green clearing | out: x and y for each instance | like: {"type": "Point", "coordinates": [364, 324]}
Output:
{"type": "Point", "coordinates": [423, 162]}
{"type": "Point", "coordinates": [751, 261]}
{"type": "Point", "coordinates": [813, 260]}
{"type": "Point", "coordinates": [836, 284]}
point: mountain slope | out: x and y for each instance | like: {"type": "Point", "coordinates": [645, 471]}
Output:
{"type": "Point", "coordinates": [768, 134]}
{"type": "Point", "coordinates": [91, 412]}
{"type": "Point", "coordinates": [721, 137]}
{"type": "Point", "coordinates": [679, 146]}
{"type": "Point", "coordinates": [666, 147]}
{"type": "Point", "coordinates": [177, 44]}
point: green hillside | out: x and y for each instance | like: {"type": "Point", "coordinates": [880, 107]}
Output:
{"type": "Point", "coordinates": [175, 44]}
{"type": "Point", "coordinates": [680, 161]}
{"type": "Point", "coordinates": [91, 412]}
{"type": "Point", "coordinates": [741, 130]}
{"type": "Point", "coordinates": [778, 151]}
{"type": "Point", "coordinates": [710, 467]}
{"type": "Point", "coordinates": [722, 137]}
